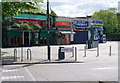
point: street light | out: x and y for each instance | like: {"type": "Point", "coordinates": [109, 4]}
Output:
{"type": "Point", "coordinates": [48, 29]}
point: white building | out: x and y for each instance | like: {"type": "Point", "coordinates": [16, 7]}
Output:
{"type": "Point", "coordinates": [119, 7]}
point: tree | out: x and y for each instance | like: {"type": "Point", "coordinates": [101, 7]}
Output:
{"type": "Point", "coordinates": [109, 18]}
{"type": "Point", "coordinates": [10, 9]}
{"type": "Point", "coordinates": [13, 8]}
{"type": "Point", "coordinates": [112, 10]}
{"type": "Point", "coordinates": [52, 13]}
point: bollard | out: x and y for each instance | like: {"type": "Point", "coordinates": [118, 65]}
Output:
{"type": "Point", "coordinates": [21, 54]}
{"type": "Point", "coordinates": [28, 50]}
{"type": "Point", "coordinates": [84, 51]}
{"type": "Point", "coordinates": [110, 51]}
{"type": "Point", "coordinates": [75, 53]}
{"type": "Point", "coordinates": [15, 54]}
{"type": "Point", "coordinates": [97, 51]}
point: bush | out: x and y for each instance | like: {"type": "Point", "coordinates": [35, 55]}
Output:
{"type": "Point", "coordinates": [25, 26]}
{"type": "Point", "coordinates": [15, 25]}
{"type": "Point", "coordinates": [36, 27]}
{"type": "Point", "coordinates": [113, 37]}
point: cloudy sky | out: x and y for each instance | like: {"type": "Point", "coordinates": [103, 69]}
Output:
{"type": "Point", "coordinates": [80, 8]}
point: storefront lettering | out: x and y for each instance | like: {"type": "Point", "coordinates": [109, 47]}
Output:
{"type": "Point", "coordinates": [64, 28]}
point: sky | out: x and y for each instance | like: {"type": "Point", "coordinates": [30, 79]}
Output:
{"type": "Point", "coordinates": [80, 8]}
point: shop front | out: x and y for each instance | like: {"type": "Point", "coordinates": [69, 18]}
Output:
{"type": "Point", "coordinates": [14, 38]}
{"type": "Point", "coordinates": [65, 27]}
{"type": "Point", "coordinates": [81, 28]}
{"type": "Point", "coordinates": [18, 37]}
{"type": "Point", "coordinates": [96, 26]}
{"type": "Point", "coordinates": [66, 35]}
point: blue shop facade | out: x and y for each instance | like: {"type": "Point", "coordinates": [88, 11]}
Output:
{"type": "Point", "coordinates": [88, 31]}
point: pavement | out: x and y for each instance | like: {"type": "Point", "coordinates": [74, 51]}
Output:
{"type": "Point", "coordinates": [87, 68]}
{"type": "Point", "coordinates": [39, 53]}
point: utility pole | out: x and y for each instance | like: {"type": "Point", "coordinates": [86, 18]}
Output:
{"type": "Point", "coordinates": [48, 30]}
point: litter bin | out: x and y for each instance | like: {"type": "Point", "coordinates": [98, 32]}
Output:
{"type": "Point", "coordinates": [61, 55]}
{"type": "Point", "coordinates": [89, 44]}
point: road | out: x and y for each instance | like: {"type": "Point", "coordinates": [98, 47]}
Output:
{"type": "Point", "coordinates": [92, 71]}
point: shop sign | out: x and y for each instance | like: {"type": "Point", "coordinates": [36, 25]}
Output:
{"type": "Point", "coordinates": [26, 21]}
{"type": "Point", "coordinates": [96, 22]}
{"type": "Point", "coordinates": [66, 49]}
{"type": "Point", "coordinates": [64, 28]}
{"type": "Point", "coordinates": [63, 23]}
{"type": "Point", "coordinates": [80, 23]}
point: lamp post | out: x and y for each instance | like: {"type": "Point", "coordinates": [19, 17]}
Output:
{"type": "Point", "coordinates": [48, 30]}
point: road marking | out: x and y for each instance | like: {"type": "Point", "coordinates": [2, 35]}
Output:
{"type": "Point", "coordinates": [30, 74]}
{"type": "Point", "coordinates": [104, 68]}
{"type": "Point", "coordinates": [11, 77]}
{"type": "Point", "coordinates": [9, 70]}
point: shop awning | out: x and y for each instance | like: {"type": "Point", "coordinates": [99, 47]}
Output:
{"type": "Point", "coordinates": [67, 32]}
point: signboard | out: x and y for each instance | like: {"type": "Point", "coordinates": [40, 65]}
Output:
{"type": "Point", "coordinates": [64, 28]}
{"type": "Point", "coordinates": [80, 23]}
{"type": "Point", "coordinates": [66, 49]}
{"type": "Point", "coordinates": [96, 23]}
{"type": "Point", "coordinates": [63, 23]}
{"type": "Point", "coordinates": [27, 21]}
{"type": "Point", "coordinates": [31, 22]}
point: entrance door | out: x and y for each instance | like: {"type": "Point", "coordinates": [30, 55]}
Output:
{"type": "Point", "coordinates": [26, 38]}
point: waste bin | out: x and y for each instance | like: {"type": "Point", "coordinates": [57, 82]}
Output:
{"type": "Point", "coordinates": [61, 55]}
{"type": "Point", "coordinates": [89, 44]}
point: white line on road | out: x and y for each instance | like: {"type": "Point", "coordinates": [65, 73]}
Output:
{"type": "Point", "coordinates": [104, 68]}
{"type": "Point", "coordinates": [9, 70]}
{"type": "Point", "coordinates": [11, 77]}
{"type": "Point", "coordinates": [30, 74]}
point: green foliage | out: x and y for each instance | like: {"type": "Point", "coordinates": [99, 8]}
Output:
{"type": "Point", "coordinates": [10, 9]}
{"type": "Point", "coordinates": [58, 34]}
{"type": "Point", "coordinates": [113, 37]}
{"type": "Point", "coordinates": [36, 27]}
{"type": "Point", "coordinates": [15, 25]}
{"type": "Point", "coordinates": [25, 27]}
{"type": "Point", "coordinates": [110, 20]}
{"type": "Point", "coordinates": [53, 13]}
{"type": "Point", "coordinates": [13, 8]}
{"type": "Point", "coordinates": [112, 10]}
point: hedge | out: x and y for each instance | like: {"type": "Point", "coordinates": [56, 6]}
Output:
{"type": "Point", "coordinates": [113, 37]}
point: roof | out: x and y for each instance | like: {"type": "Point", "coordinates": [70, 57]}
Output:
{"type": "Point", "coordinates": [31, 16]}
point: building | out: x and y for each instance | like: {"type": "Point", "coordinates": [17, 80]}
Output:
{"type": "Point", "coordinates": [88, 31]}
{"type": "Point", "coordinates": [119, 7]}
{"type": "Point", "coordinates": [65, 27]}
{"type": "Point", "coordinates": [22, 37]}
